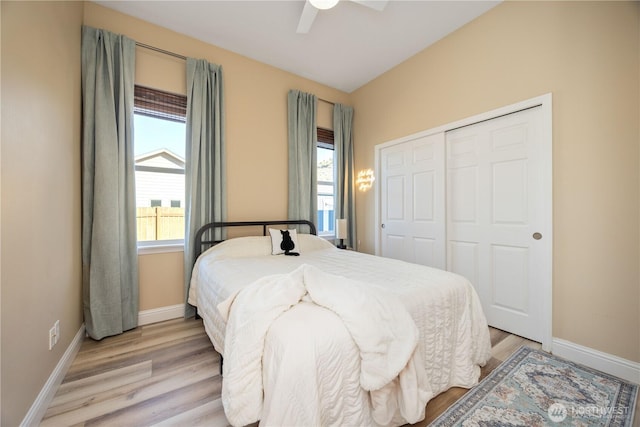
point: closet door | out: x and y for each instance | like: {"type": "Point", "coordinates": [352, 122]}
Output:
{"type": "Point", "coordinates": [496, 205]}
{"type": "Point", "coordinates": [412, 201]}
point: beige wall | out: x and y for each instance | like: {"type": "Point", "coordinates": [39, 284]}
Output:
{"type": "Point", "coordinates": [161, 278]}
{"type": "Point", "coordinates": [256, 126]}
{"type": "Point", "coordinates": [587, 55]}
{"type": "Point", "coordinates": [41, 258]}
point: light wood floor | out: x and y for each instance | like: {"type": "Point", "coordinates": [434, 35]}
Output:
{"type": "Point", "coordinates": [168, 374]}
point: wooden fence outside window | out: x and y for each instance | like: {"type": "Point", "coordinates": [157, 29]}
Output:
{"type": "Point", "coordinates": [160, 223]}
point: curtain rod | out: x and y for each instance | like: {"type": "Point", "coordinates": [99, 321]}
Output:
{"type": "Point", "coordinates": [184, 58]}
{"type": "Point", "coordinates": [157, 49]}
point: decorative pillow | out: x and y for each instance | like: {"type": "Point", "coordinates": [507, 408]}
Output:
{"type": "Point", "coordinates": [284, 242]}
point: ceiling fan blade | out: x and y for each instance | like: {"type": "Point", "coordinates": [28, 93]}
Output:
{"type": "Point", "coordinates": [378, 5]}
{"type": "Point", "coordinates": [306, 19]}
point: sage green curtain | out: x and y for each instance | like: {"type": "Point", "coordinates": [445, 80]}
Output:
{"type": "Point", "coordinates": [302, 138]}
{"type": "Point", "coordinates": [205, 185]}
{"type": "Point", "coordinates": [109, 242]}
{"type": "Point", "coordinates": [345, 203]}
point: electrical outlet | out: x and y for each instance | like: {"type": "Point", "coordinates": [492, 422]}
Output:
{"type": "Point", "coordinates": [54, 334]}
{"type": "Point", "coordinates": [52, 337]}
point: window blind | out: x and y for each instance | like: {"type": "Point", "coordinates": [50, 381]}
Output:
{"type": "Point", "coordinates": [160, 104]}
{"type": "Point", "coordinates": [325, 136]}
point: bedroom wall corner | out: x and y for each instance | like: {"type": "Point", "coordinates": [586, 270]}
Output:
{"type": "Point", "coordinates": [40, 195]}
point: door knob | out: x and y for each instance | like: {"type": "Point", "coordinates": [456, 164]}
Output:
{"type": "Point", "coordinates": [382, 225]}
{"type": "Point", "coordinates": [537, 235]}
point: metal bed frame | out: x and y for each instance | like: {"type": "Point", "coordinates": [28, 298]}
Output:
{"type": "Point", "coordinates": [199, 243]}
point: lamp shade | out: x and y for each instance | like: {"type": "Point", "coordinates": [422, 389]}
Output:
{"type": "Point", "coordinates": [341, 229]}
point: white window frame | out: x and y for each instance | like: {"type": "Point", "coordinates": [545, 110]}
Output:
{"type": "Point", "coordinates": [328, 236]}
{"type": "Point", "coordinates": [146, 247]}
{"type": "Point", "coordinates": [168, 245]}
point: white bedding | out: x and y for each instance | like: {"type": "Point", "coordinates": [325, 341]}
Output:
{"type": "Point", "coordinates": [311, 370]}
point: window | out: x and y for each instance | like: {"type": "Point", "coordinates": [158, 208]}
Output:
{"type": "Point", "coordinates": [326, 187]}
{"type": "Point", "coordinates": [159, 145]}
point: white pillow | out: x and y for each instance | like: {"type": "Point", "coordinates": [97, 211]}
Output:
{"type": "Point", "coordinates": [241, 247]}
{"type": "Point", "coordinates": [309, 243]}
{"type": "Point", "coordinates": [276, 241]}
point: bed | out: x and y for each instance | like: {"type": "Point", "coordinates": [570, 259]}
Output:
{"type": "Point", "coordinates": [332, 336]}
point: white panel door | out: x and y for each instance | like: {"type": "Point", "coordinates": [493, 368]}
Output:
{"type": "Point", "coordinates": [412, 201]}
{"type": "Point", "coordinates": [495, 211]}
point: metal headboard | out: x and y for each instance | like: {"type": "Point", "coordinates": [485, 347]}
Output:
{"type": "Point", "coordinates": [199, 244]}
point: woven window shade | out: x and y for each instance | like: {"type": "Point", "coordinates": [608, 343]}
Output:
{"type": "Point", "coordinates": [160, 104]}
{"type": "Point", "coordinates": [325, 136]}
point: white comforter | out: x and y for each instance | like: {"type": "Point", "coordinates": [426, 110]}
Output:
{"type": "Point", "coordinates": [311, 365]}
{"type": "Point", "coordinates": [382, 329]}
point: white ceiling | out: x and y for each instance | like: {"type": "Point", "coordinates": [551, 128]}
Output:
{"type": "Point", "coordinates": [346, 47]}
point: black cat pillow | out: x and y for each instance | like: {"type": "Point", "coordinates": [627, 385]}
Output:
{"type": "Point", "coordinates": [284, 242]}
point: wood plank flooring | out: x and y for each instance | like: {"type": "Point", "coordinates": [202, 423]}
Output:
{"type": "Point", "coordinates": [167, 374]}
{"type": "Point", "coordinates": [161, 374]}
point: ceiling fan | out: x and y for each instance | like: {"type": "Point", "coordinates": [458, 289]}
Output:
{"type": "Point", "coordinates": [311, 8]}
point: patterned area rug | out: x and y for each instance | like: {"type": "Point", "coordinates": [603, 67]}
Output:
{"type": "Point", "coordinates": [533, 388]}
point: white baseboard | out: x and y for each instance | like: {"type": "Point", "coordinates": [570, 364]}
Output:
{"type": "Point", "coordinates": [160, 314]}
{"type": "Point", "coordinates": [44, 398]}
{"type": "Point", "coordinates": [41, 404]}
{"type": "Point", "coordinates": [608, 363]}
